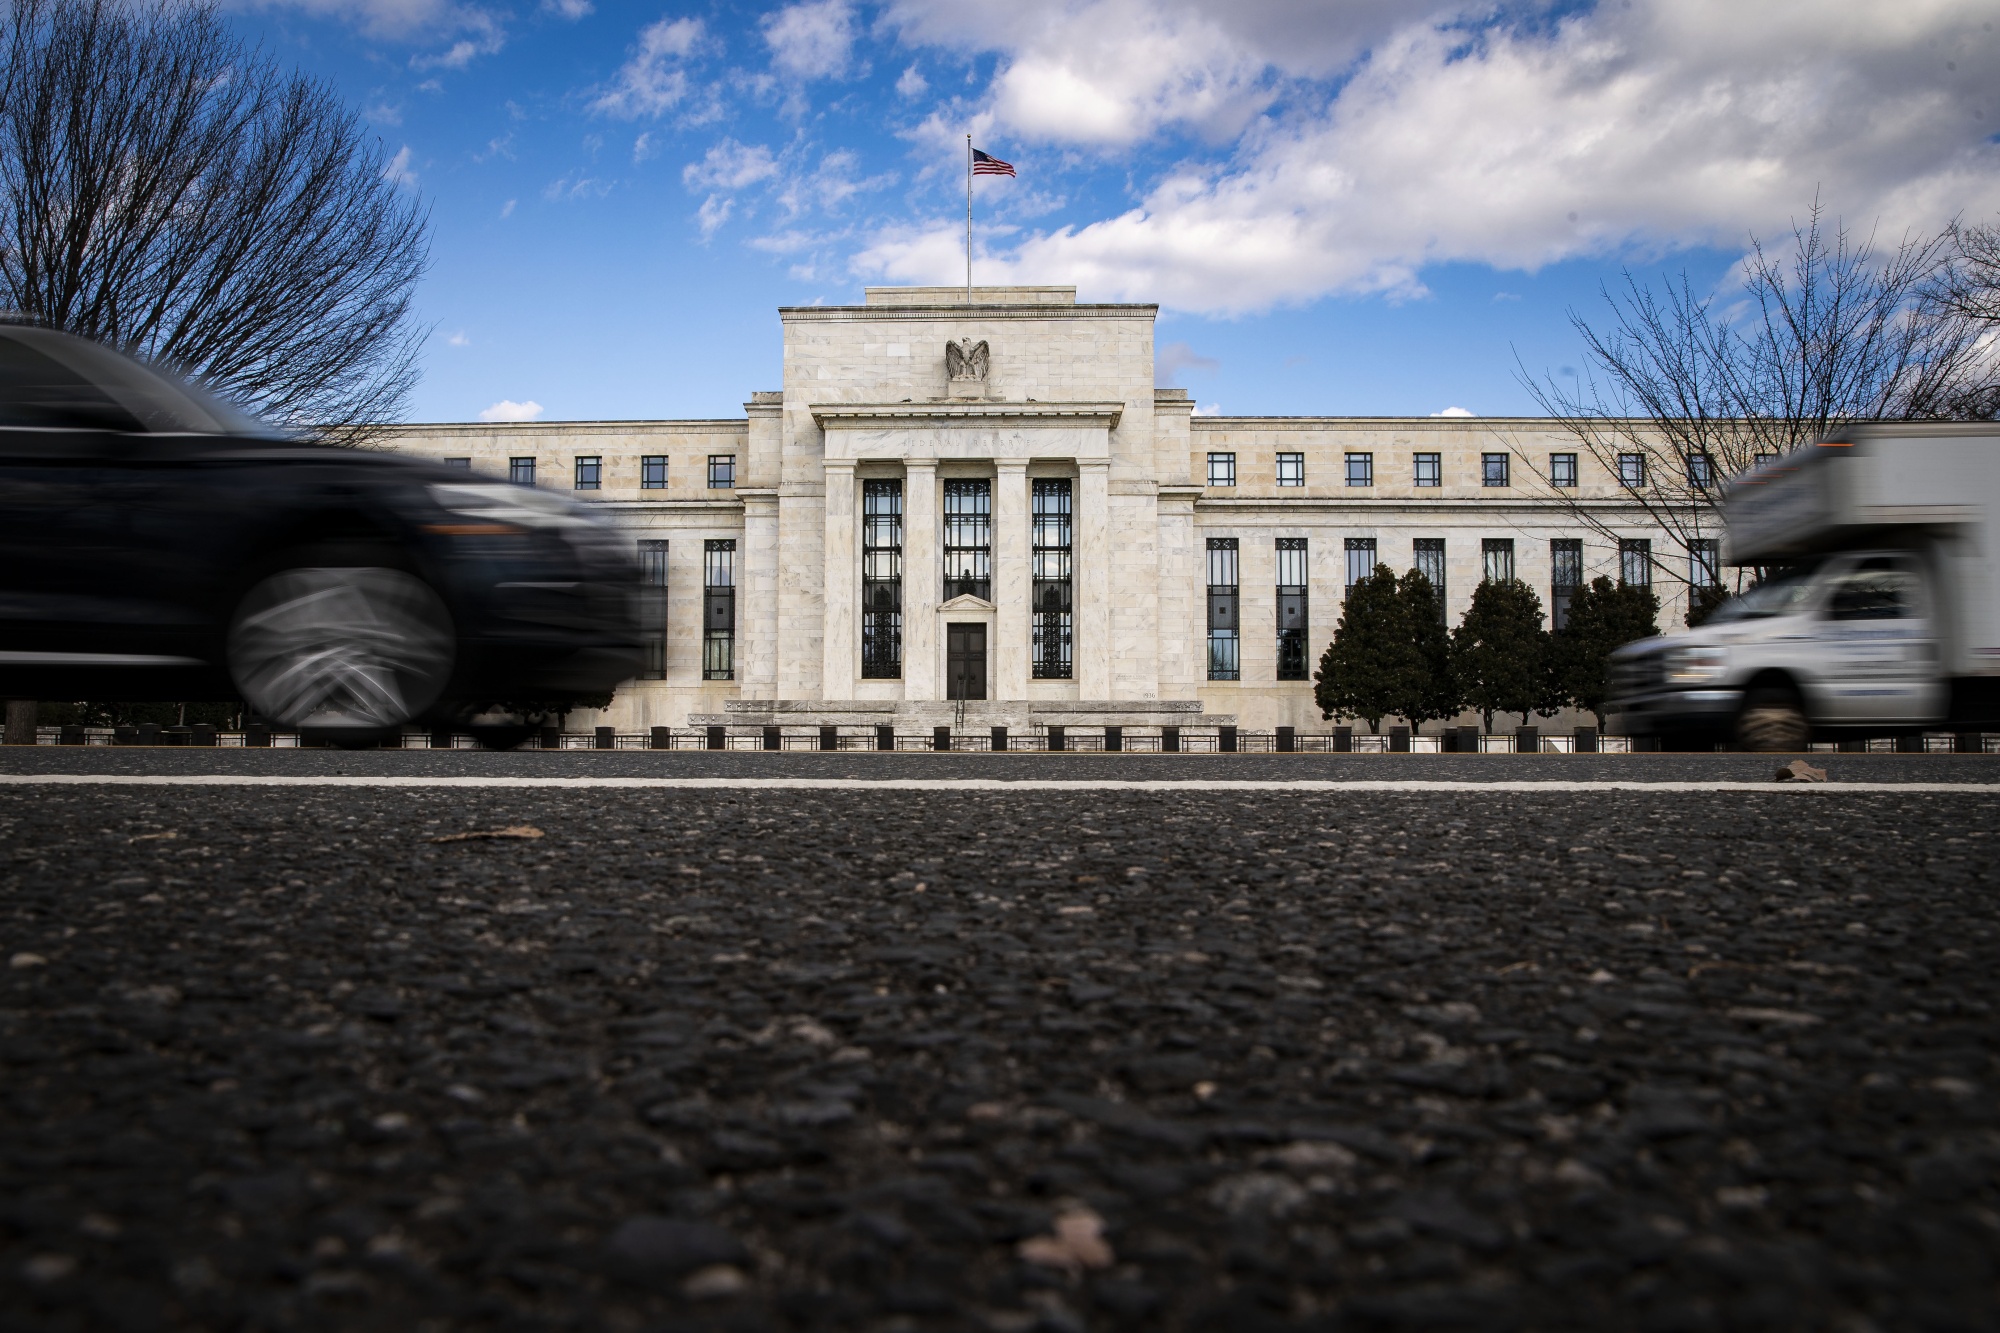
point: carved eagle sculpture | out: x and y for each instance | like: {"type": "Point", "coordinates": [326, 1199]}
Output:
{"type": "Point", "coordinates": [965, 359]}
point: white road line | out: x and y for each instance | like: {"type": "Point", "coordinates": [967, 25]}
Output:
{"type": "Point", "coordinates": [951, 784]}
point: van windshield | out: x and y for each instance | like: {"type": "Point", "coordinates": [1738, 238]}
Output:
{"type": "Point", "coordinates": [1781, 595]}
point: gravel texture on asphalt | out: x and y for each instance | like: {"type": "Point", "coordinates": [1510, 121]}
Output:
{"type": "Point", "coordinates": [279, 1058]}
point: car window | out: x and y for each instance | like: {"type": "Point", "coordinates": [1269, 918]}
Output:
{"type": "Point", "coordinates": [1878, 590]}
{"type": "Point", "coordinates": [36, 390]}
{"type": "Point", "coordinates": [1781, 595]}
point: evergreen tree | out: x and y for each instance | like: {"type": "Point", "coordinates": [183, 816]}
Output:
{"type": "Point", "coordinates": [1433, 689]}
{"type": "Point", "coordinates": [1366, 672]}
{"type": "Point", "coordinates": [1602, 616]}
{"type": "Point", "coordinates": [1499, 652]}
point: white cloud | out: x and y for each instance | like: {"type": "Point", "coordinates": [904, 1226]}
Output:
{"type": "Point", "coordinates": [401, 19]}
{"type": "Point", "coordinates": [1208, 409]}
{"type": "Point", "coordinates": [1619, 131]}
{"type": "Point", "coordinates": [1176, 357]}
{"type": "Point", "coordinates": [507, 209]}
{"type": "Point", "coordinates": [397, 170]}
{"type": "Point", "coordinates": [730, 165]}
{"type": "Point", "coordinates": [1454, 412]}
{"type": "Point", "coordinates": [654, 80]}
{"type": "Point", "coordinates": [458, 340]}
{"type": "Point", "coordinates": [714, 211]}
{"type": "Point", "coordinates": [912, 83]}
{"type": "Point", "coordinates": [570, 9]}
{"type": "Point", "coordinates": [509, 410]}
{"type": "Point", "coordinates": [484, 36]}
{"type": "Point", "coordinates": [813, 40]}
{"type": "Point", "coordinates": [565, 189]}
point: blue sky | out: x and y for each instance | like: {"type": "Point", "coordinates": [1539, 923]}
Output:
{"type": "Point", "coordinates": [1342, 206]}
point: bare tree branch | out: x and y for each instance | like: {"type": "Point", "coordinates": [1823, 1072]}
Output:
{"type": "Point", "coordinates": [165, 190]}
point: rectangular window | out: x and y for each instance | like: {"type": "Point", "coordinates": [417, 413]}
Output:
{"type": "Point", "coordinates": [1051, 604]}
{"type": "Point", "coordinates": [1701, 471]}
{"type": "Point", "coordinates": [653, 610]}
{"type": "Point", "coordinates": [462, 464]}
{"type": "Point", "coordinates": [589, 473]}
{"type": "Point", "coordinates": [1565, 577]}
{"type": "Point", "coordinates": [1428, 560]}
{"type": "Point", "coordinates": [1291, 469]}
{"type": "Point", "coordinates": [881, 580]}
{"type": "Point", "coordinates": [1430, 469]}
{"type": "Point", "coordinates": [721, 471]}
{"type": "Point", "coordinates": [1497, 559]}
{"type": "Point", "coordinates": [1705, 562]}
{"type": "Point", "coordinates": [968, 539]}
{"type": "Point", "coordinates": [521, 471]}
{"type": "Point", "coordinates": [1632, 471]}
{"type": "Point", "coordinates": [1222, 469]}
{"type": "Point", "coordinates": [1562, 470]}
{"type": "Point", "coordinates": [1493, 469]}
{"type": "Point", "coordinates": [1763, 460]}
{"type": "Point", "coordinates": [1292, 653]}
{"type": "Point", "coordinates": [718, 614]}
{"type": "Point", "coordinates": [1361, 469]}
{"type": "Point", "coordinates": [1360, 559]}
{"type": "Point", "coordinates": [1635, 562]}
{"type": "Point", "coordinates": [1225, 657]}
{"type": "Point", "coordinates": [653, 472]}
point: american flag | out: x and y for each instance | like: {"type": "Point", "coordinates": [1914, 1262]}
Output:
{"type": "Point", "coordinates": [984, 164]}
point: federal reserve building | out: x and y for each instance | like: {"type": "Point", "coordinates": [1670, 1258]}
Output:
{"type": "Point", "coordinates": [984, 513]}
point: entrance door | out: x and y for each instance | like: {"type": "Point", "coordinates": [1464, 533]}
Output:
{"type": "Point", "coordinates": [964, 661]}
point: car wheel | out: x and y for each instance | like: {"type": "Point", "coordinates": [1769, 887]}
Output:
{"type": "Point", "coordinates": [1772, 722]}
{"type": "Point", "coordinates": [343, 654]}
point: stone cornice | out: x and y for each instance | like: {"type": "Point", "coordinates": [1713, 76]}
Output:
{"type": "Point", "coordinates": [930, 314]}
{"type": "Point", "coordinates": [949, 412]}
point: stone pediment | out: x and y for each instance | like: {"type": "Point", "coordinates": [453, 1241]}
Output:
{"type": "Point", "coordinates": [965, 601]}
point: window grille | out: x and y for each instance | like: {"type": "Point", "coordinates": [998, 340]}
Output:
{"type": "Point", "coordinates": [1360, 559]}
{"type": "Point", "coordinates": [881, 580]}
{"type": "Point", "coordinates": [653, 609]}
{"type": "Point", "coordinates": [718, 630]}
{"type": "Point", "coordinates": [1361, 469]}
{"type": "Point", "coordinates": [1493, 469]}
{"type": "Point", "coordinates": [1763, 460]}
{"type": "Point", "coordinates": [461, 464]}
{"type": "Point", "coordinates": [1565, 577]}
{"type": "Point", "coordinates": [1292, 622]}
{"type": "Point", "coordinates": [521, 471]}
{"type": "Point", "coordinates": [1497, 558]}
{"type": "Point", "coordinates": [1635, 562]}
{"type": "Point", "coordinates": [1291, 469]}
{"type": "Point", "coordinates": [653, 472]}
{"type": "Point", "coordinates": [1562, 470]}
{"type": "Point", "coordinates": [1632, 471]}
{"type": "Point", "coordinates": [1705, 562]}
{"type": "Point", "coordinates": [721, 471]}
{"type": "Point", "coordinates": [1225, 659]}
{"type": "Point", "coordinates": [1427, 556]}
{"type": "Point", "coordinates": [1052, 607]}
{"type": "Point", "coordinates": [968, 538]}
{"type": "Point", "coordinates": [1430, 469]}
{"type": "Point", "coordinates": [1701, 471]}
{"type": "Point", "coordinates": [589, 473]}
{"type": "Point", "coordinates": [1222, 469]}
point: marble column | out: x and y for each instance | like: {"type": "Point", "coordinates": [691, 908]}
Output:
{"type": "Point", "coordinates": [841, 647]}
{"type": "Point", "coordinates": [1012, 578]}
{"type": "Point", "coordinates": [757, 596]}
{"type": "Point", "coordinates": [1094, 648]}
{"type": "Point", "coordinates": [923, 675]}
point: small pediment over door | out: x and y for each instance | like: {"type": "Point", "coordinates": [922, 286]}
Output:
{"type": "Point", "coordinates": [965, 601]}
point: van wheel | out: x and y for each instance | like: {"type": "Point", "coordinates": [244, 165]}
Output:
{"type": "Point", "coordinates": [343, 653]}
{"type": "Point", "coordinates": [1772, 721]}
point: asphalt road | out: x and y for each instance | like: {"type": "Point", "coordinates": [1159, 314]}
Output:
{"type": "Point", "coordinates": [904, 1059]}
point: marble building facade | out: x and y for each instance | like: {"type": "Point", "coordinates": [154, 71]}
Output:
{"type": "Point", "coordinates": [987, 514]}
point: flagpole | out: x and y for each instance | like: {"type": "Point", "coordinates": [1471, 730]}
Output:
{"type": "Point", "coordinates": [968, 222]}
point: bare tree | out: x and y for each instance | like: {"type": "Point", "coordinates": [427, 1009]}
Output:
{"type": "Point", "coordinates": [1686, 391]}
{"type": "Point", "coordinates": [1969, 281]}
{"type": "Point", "coordinates": [165, 190]}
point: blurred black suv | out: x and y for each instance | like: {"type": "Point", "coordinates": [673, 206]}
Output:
{"type": "Point", "coordinates": [156, 544]}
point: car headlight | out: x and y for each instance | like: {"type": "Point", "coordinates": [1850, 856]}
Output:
{"type": "Point", "coordinates": [497, 510]}
{"type": "Point", "coordinates": [1695, 666]}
